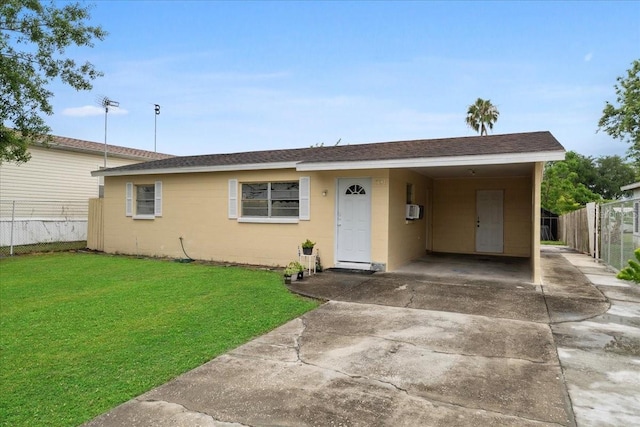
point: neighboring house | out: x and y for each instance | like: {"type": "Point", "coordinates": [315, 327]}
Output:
{"type": "Point", "coordinates": [478, 195]}
{"type": "Point", "coordinates": [635, 188]}
{"type": "Point", "coordinates": [46, 198]}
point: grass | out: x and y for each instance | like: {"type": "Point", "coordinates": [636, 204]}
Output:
{"type": "Point", "coordinates": [82, 333]}
{"type": "Point", "coordinates": [42, 247]}
{"type": "Point", "coordinates": [552, 242]}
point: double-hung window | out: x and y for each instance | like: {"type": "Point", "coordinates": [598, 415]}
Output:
{"type": "Point", "coordinates": [271, 199]}
{"type": "Point", "coordinates": [144, 201]}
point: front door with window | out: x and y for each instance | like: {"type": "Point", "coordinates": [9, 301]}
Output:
{"type": "Point", "coordinates": [354, 223]}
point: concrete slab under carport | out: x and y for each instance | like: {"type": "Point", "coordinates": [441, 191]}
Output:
{"type": "Point", "coordinates": [469, 268]}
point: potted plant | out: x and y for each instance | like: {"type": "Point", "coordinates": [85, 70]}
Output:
{"type": "Point", "coordinates": [288, 272]}
{"type": "Point", "coordinates": [296, 268]}
{"type": "Point", "coordinates": [307, 247]}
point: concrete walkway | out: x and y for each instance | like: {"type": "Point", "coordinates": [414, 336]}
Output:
{"type": "Point", "coordinates": [409, 349]}
{"type": "Point", "coordinates": [600, 356]}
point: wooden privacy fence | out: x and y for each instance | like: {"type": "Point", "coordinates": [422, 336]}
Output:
{"type": "Point", "coordinates": [573, 230]}
{"type": "Point", "coordinates": [95, 228]}
{"type": "Point", "coordinates": [609, 232]}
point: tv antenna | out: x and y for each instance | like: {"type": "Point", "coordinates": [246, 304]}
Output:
{"type": "Point", "coordinates": [106, 102]}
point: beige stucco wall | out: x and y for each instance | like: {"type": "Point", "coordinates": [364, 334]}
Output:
{"type": "Point", "coordinates": [406, 238]}
{"type": "Point", "coordinates": [195, 207]}
{"type": "Point", "coordinates": [454, 213]}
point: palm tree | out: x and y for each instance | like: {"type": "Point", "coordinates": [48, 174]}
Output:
{"type": "Point", "coordinates": [482, 114]}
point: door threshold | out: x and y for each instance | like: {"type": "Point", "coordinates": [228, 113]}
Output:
{"type": "Point", "coordinates": [353, 265]}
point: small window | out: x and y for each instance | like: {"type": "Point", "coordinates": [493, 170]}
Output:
{"type": "Point", "coordinates": [409, 193]}
{"type": "Point", "coordinates": [144, 201]}
{"type": "Point", "coordinates": [271, 199]}
{"type": "Point", "coordinates": [355, 189]}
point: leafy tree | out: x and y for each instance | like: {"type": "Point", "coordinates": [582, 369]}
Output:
{"type": "Point", "coordinates": [563, 189]}
{"type": "Point", "coordinates": [33, 37]}
{"type": "Point", "coordinates": [612, 173]}
{"type": "Point", "coordinates": [570, 184]}
{"type": "Point", "coordinates": [623, 121]}
{"type": "Point", "coordinates": [482, 114]}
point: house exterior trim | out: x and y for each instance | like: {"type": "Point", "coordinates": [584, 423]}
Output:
{"type": "Point", "coordinates": [474, 160]}
{"type": "Point", "coordinates": [199, 169]}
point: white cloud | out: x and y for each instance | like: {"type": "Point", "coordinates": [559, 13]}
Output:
{"type": "Point", "coordinates": [588, 57]}
{"type": "Point", "coordinates": [91, 110]}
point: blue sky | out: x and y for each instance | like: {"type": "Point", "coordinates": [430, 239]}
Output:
{"type": "Point", "coordinates": [242, 76]}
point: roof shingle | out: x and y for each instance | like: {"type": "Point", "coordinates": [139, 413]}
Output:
{"type": "Point", "coordinates": [73, 144]}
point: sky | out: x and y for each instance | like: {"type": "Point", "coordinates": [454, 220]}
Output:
{"type": "Point", "coordinates": [244, 76]}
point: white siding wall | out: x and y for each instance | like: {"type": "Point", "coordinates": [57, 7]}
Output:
{"type": "Point", "coordinates": [54, 174]}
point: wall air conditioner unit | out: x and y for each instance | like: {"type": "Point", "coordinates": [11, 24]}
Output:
{"type": "Point", "coordinates": [413, 212]}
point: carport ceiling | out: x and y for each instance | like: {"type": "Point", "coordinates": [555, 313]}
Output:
{"type": "Point", "coordinates": [480, 171]}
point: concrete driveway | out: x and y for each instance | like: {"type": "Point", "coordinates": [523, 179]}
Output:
{"type": "Point", "coordinates": [412, 349]}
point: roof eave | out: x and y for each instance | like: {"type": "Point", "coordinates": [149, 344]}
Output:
{"type": "Point", "coordinates": [197, 169]}
{"type": "Point", "coordinates": [632, 186]}
{"type": "Point", "coordinates": [60, 147]}
{"type": "Point", "coordinates": [425, 162]}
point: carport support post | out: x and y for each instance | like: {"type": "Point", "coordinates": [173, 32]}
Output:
{"type": "Point", "coordinates": [536, 182]}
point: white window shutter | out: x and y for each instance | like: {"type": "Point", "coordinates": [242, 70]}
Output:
{"type": "Point", "coordinates": [305, 205]}
{"type": "Point", "coordinates": [233, 198]}
{"type": "Point", "coordinates": [128, 203]}
{"type": "Point", "coordinates": [157, 206]}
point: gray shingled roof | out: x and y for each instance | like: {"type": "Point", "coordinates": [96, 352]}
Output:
{"type": "Point", "coordinates": [532, 142]}
{"type": "Point", "coordinates": [72, 144]}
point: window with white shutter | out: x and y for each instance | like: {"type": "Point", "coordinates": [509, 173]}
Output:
{"type": "Point", "coordinates": [143, 201]}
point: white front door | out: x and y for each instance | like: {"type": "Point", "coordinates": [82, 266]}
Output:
{"type": "Point", "coordinates": [353, 223]}
{"type": "Point", "coordinates": [489, 221]}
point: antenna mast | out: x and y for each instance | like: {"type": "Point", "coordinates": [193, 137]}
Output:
{"type": "Point", "coordinates": [106, 103]}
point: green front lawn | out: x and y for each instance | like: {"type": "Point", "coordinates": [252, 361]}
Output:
{"type": "Point", "coordinates": [81, 333]}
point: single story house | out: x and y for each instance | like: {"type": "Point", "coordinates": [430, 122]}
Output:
{"type": "Point", "coordinates": [367, 206]}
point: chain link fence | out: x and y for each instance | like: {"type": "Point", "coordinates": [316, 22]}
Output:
{"type": "Point", "coordinates": [42, 225]}
{"type": "Point", "coordinates": [619, 232]}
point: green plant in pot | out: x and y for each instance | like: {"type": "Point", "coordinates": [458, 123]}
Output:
{"type": "Point", "coordinates": [289, 271]}
{"type": "Point", "coordinates": [296, 268]}
{"type": "Point", "coordinates": [307, 247]}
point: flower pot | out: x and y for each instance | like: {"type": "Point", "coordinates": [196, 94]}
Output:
{"type": "Point", "coordinates": [307, 251]}
{"type": "Point", "coordinates": [287, 280]}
